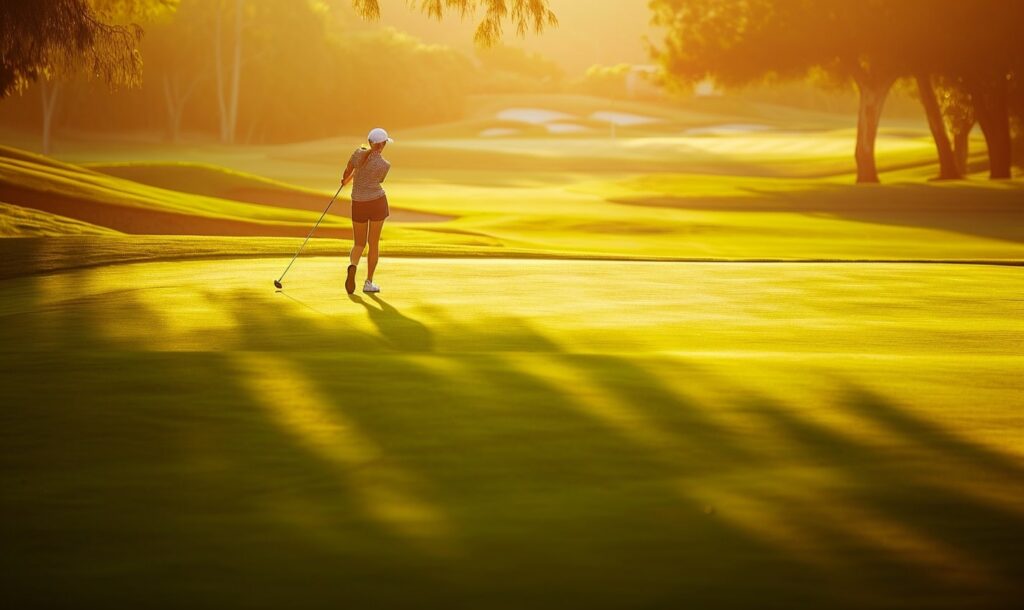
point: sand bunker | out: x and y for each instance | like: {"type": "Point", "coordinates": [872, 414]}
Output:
{"type": "Point", "coordinates": [728, 129]}
{"type": "Point", "coordinates": [554, 122]}
{"type": "Point", "coordinates": [497, 132]}
{"type": "Point", "coordinates": [565, 128]}
{"type": "Point", "coordinates": [624, 119]}
{"type": "Point", "coordinates": [533, 116]}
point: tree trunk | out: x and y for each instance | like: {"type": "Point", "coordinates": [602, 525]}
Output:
{"type": "Point", "coordinates": [175, 98]}
{"type": "Point", "coordinates": [50, 92]}
{"type": "Point", "coordinates": [236, 74]}
{"type": "Point", "coordinates": [948, 169]}
{"type": "Point", "coordinates": [227, 101]}
{"type": "Point", "coordinates": [873, 91]}
{"type": "Point", "coordinates": [1017, 127]}
{"type": "Point", "coordinates": [992, 110]}
{"type": "Point", "coordinates": [961, 148]}
{"type": "Point", "coordinates": [173, 110]}
{"type": "Point", "coordinates": [218, 64]}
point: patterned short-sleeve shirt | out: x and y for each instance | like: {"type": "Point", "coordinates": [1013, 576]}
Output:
{"type": "Point", "coordinates": [369, 175]}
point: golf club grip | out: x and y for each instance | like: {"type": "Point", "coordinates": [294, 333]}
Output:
{"type": "Point", "coordinates": [329, 204]}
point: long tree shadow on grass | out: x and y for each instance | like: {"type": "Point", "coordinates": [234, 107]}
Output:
{"type": "Point", "coordinates": [990, 211]}
{"type": "Point", "coordinates": [136, 476]}
{"type": "Point", "coordinates": [700, 448]}
{"type": "Point", "coordinates": [898, 527]}
{"type": "Point", "coordinates": [565, 480]}
{"type": "Point", "coordinates": [925, 523]}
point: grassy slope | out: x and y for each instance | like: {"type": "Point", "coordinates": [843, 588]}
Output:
{"type": "Point", "coordinates": [16, 221]}
{"type": "Point", "coordinates": [33, 176]}
{"type": "Point", "coordinates": [196, 178]}
{"type": "Point", "coordinates": [555, 196]}
{"type": "Point", "coordinates": [507, 211]}
{"type": "Point", "coordinates": [552, 435]}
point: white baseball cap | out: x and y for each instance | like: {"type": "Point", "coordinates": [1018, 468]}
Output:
{"type": "Point", "coordinates": [378, 135]}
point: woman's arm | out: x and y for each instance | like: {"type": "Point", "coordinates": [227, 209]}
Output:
{"type": "Point", "coordinates": [348, 174]}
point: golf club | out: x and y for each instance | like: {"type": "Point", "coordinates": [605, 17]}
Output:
{"type": "Point", "coordinates": [277, 282]}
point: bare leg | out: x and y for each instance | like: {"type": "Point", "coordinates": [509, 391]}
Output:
{"type": "Point", "coordinates": [371, 258]}
{"type": "Point", "coordinates": [358, 241]}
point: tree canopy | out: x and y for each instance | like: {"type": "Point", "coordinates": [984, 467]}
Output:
{"type": "Point", "coordinates": [288, 70]}
{"type": "Point", "coordinates": [871, 43]}
{"type": "Point", "coordinates": [525, 15]}
{"type": "Point", "coordinates": [47, 37]}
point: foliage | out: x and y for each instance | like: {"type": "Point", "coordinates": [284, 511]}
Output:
{"type": "Point", "coordinates": [871, 42]}
{"type": "Point", "coordinates": [303, 78]}
{"type": "Point", "coordinates": [604, 81]}
{"type": "Point", "coordinates": [505, 69]}
{"type": "Point", "coordinates": [49, 37]}
{"type": "Point", "coordinates": [525, 15]}
{"type": "Point", "coordinates": [738, 43]}
{"type": "Point", "coordinates": [135, 11]}
{"type": "Point", "coordinates": [389, 77]}
{"type": "Point", "coordinates": [304, 74]}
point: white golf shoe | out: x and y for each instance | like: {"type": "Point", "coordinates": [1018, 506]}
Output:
{"type": "Point", "coordinates": [370, 287]}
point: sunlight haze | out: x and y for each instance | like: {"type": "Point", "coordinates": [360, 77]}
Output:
{"type": "Point", "coordinates": [589, 32]}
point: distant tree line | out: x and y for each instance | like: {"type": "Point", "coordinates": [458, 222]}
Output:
{"type": "Point", "coordinates": [966, 59]}
{"type": "Point", "coordinates": [245, 70]}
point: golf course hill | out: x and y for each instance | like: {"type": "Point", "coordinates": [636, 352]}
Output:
{"type": "Point", "coordinates": [711, 182]}
{"type": "Point", "coordinates": [172, 199]}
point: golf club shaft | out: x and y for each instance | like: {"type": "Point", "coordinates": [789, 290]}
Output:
{"type": "Point", "coordinates": [311, 232]}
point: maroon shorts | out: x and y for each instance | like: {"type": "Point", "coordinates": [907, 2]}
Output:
{"type": "Point", "coordinates": [364, 211]}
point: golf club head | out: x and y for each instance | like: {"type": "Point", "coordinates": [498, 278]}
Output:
{"type": "Point", "coordinates": [277, 284]}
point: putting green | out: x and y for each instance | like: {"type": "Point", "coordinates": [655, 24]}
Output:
{"type": "Point", "coordinates": [509, 434]}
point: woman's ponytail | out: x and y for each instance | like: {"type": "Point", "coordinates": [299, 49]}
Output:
{"type": "Point", "coordinates": [366, 157]}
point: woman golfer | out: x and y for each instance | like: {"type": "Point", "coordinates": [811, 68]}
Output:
{"type": "Point", "coordinates": [369, 205]}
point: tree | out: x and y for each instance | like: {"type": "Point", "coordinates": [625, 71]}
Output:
{"type": "Point", "coordinates": [958, 116]}
{"type": "Point", "coordinates": [861, 41]}
{"type": "Point", "coordinates": [971, 53]}
{"type": "Point", "coordinates": [949, 168]}
{"type": "Point", "coordinates": [48, 37]}
{"type": "Point", "coordinates": [60, 37]}
{"type": "Point", "coordinates": [225, 24]}
{"type": "Point", "coordinates": [228, 84]}
{"type": "Point", "coordinates": [738, 43]}
{"type": "Point", "coordinates": [285, 68]}
{"type": "Point", "coordinates": [179, 72]}
{"type": "Point", "coordinates": [525, 15]}
{"type": "Point", "coordinates": [989, 54]}
{"type": "Point", "coordinates": [871, 43]}
{"type": "Point", "coordinates": [605, 81]}
{"type": "Point", "coordinates": [930, 33]}
{"type": "Point", "coordinates": [513, 70]}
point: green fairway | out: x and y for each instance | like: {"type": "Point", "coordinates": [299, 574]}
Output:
{"type": "Point", "coordinates": [690, 365]}
{"type": "Point", "coordinates": [543, 434]}
{"type": "Point", "coordinates": [661, 190]}
{"type": "Point", "coordinates": [501, 211]}
{"type": "Point", "coordinates": [512, 305]}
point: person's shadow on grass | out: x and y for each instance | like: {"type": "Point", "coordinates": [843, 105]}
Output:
{"type": "Point", "coordinates": [299, 301]}
{"type": "Point", "coordinates": [399, 330]}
